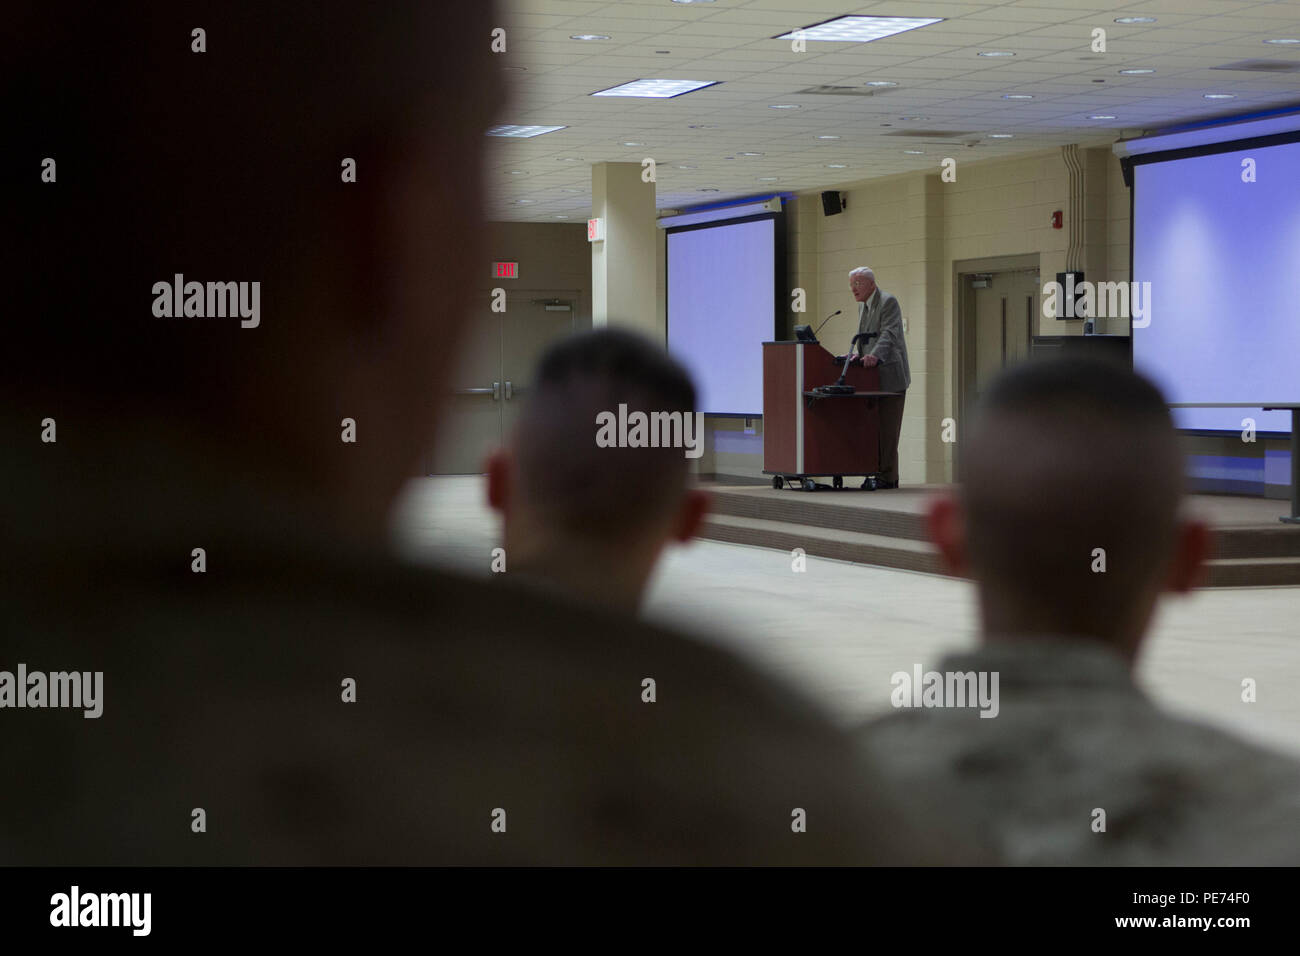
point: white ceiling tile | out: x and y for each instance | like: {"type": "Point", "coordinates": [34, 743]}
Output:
{"type": "Point", "coordinates": [937, 69]}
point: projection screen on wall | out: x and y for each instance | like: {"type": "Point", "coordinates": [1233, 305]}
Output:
{"type": "Point", "coordinates": [721, 308]}
{"type": "Point", "coordinates": [1222, 255]}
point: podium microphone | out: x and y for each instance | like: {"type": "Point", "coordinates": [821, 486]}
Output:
{"type": "Point", "coordinates": [839, 388]}
{"type": "Point", "coordinates": [825, 320]}
{"type": "Point", "coordinates": [805, 333]}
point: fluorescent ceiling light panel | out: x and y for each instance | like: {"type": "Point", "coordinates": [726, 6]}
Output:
{"type": "Point", "coordinates": [859, 29]}
{"type": "Point", "coordinates": [522, 132]}
{"type": "Point", "coordinates": [656, 89]}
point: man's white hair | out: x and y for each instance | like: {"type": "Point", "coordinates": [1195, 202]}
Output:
{"type": "Point", "coordinates": [863, 271]}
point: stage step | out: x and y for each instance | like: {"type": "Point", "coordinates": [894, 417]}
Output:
{"type": "Point", "coordinates": [883, 550]}
{"type": "Point", "coordinates": [890, 536]}
{"type": "Point", "coordinates": [807, 508]}
{"type": "Point", "coordinates": [1282, 541]}
{"type": "Point", "coordinates": [1253, 572]}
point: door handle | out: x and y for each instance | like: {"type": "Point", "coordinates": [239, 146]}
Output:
{"type": "Point", "coordinates": [496, 391]}
{"type": "Point", "coordinates": [474, 391]}
{"type": "Point", "coordinates": [510, 390]}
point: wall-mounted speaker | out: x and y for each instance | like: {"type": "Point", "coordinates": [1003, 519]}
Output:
{"type": "Point", "coordinates": [833, 203]}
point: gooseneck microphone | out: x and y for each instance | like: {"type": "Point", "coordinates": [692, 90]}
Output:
{"type": "Point", "coordinates": [825, 320]}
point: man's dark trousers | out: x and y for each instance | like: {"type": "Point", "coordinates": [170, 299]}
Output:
{"type": "Point", "coordinates": [891, 425]}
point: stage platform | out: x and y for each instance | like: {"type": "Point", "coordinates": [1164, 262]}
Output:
{"type": "Point", "coordinates": [887, 529]}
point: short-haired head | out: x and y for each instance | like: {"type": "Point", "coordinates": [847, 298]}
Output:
{"type": "Point", "coordinates": [582, 489]}
{"type": "Point", "coordinates": [227, 165]}
{"type": "Point", "coordinates": [1069, 466]}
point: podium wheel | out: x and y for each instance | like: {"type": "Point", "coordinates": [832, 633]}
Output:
{"type": "Point", "coordinates": [809, 485]}
{"type": "Point", "coordinates": [778, 482]}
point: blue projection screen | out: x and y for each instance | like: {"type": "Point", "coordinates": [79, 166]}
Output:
{"type": "Point", "coordinates": [721, 307]}
{"type": "Point", "coordinates": [1223, 259]}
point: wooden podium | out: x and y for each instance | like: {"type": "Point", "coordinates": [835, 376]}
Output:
{"type": "Point", "coordinates": [805, 436]}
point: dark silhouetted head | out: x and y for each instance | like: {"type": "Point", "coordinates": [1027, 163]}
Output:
{"type": "Point", "coordinates": [568, 500]}
{"type": "Point", "coordinates": [228, 165]}
{"type": "Point", "coordinates": [1067, 512]}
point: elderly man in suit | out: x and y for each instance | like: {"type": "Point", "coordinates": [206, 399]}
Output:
{"type": "Point", "coordinates": [880, 316]}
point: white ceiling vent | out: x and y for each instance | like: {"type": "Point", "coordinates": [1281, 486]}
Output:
{"type": "Point", "coordinates": [830, 90]}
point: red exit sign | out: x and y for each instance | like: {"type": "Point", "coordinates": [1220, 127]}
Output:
{"type": "Point", "coordinates": [505, 270]}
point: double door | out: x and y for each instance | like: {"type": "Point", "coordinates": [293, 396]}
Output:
{"type": "Point", "coordinates": [494, 373]}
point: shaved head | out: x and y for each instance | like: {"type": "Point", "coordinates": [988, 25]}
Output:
{"type": "Point", "coordinates": [582, 516]}
{"type": "Point", "coordinates": [577, 486]}
{"type": "Point", "coordinates": [1070, 487]}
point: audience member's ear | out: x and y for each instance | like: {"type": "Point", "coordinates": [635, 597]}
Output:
{"type": "Point", "coordinates": [695, 505]}
{"type": "Point", "coordinates": [946, 525]}
{"type": "Point", "coordinates": [1187, 568]}
{"type": "Point", "coordinates": [500, 472]}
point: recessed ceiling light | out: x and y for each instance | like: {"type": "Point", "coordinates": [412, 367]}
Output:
{"type": "Point", "coordinates": [859, 29]}
{"type": "Point", "coordinates": [569, 189]}
{"type": "Point", "coordinates": [560, 215]}
{"type": "Point", "coordinates": [686, 166]}
{"type": "Point", "coordinates": [1101, 116]}
{"type": "Point", "coordinates": [783, 106]}
{"type": "Point", "coordinates": [707, 189]}
{"type": "Point", "coordinates": [525, 202]}
{"type": "Point", "coordinates": [768, 179]}
{"type": "Point", "coordinates": [914, 152]}
{"type": "Point", "coordinates": [1001, 135]}
{"type": "Point", "coordinates": [1283, 40]}
{"type": "Point", "coordinates": [1135, 19]}
{"type": "Point", "coordinates": [828, 137]}
{"type": "Point", "coordinates": [589, 36]}
{"type": "Point", "coordinates": [692, 1]}
{"type": "Point", "coordinates": [881, 83]}
{"type": "Point", "coordinates": [749, 154]}
{"type": "Point", "coordinates": [656, 89]}
{"type": "Point", "coordinates": [914, 117]}
{"type": "Point", "coordinates": [516, 172]}
{"type": "Point", "coordinates": [836, 166]}
{"type": "Point", "coordinates": [997, 53]}
{"type": "Point", "coordinates": [634, 144]}
{"type": "Point", "coordinates": [702, 126]}
{"type": "Point", "coordinates": [522, 132]}
{"type": "Point", "coordinates": [1017, 96]}
{"type": "Point", "coordinates": [1136, 72]}
{"type": "Point", "coordinates": [1220, 96]}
